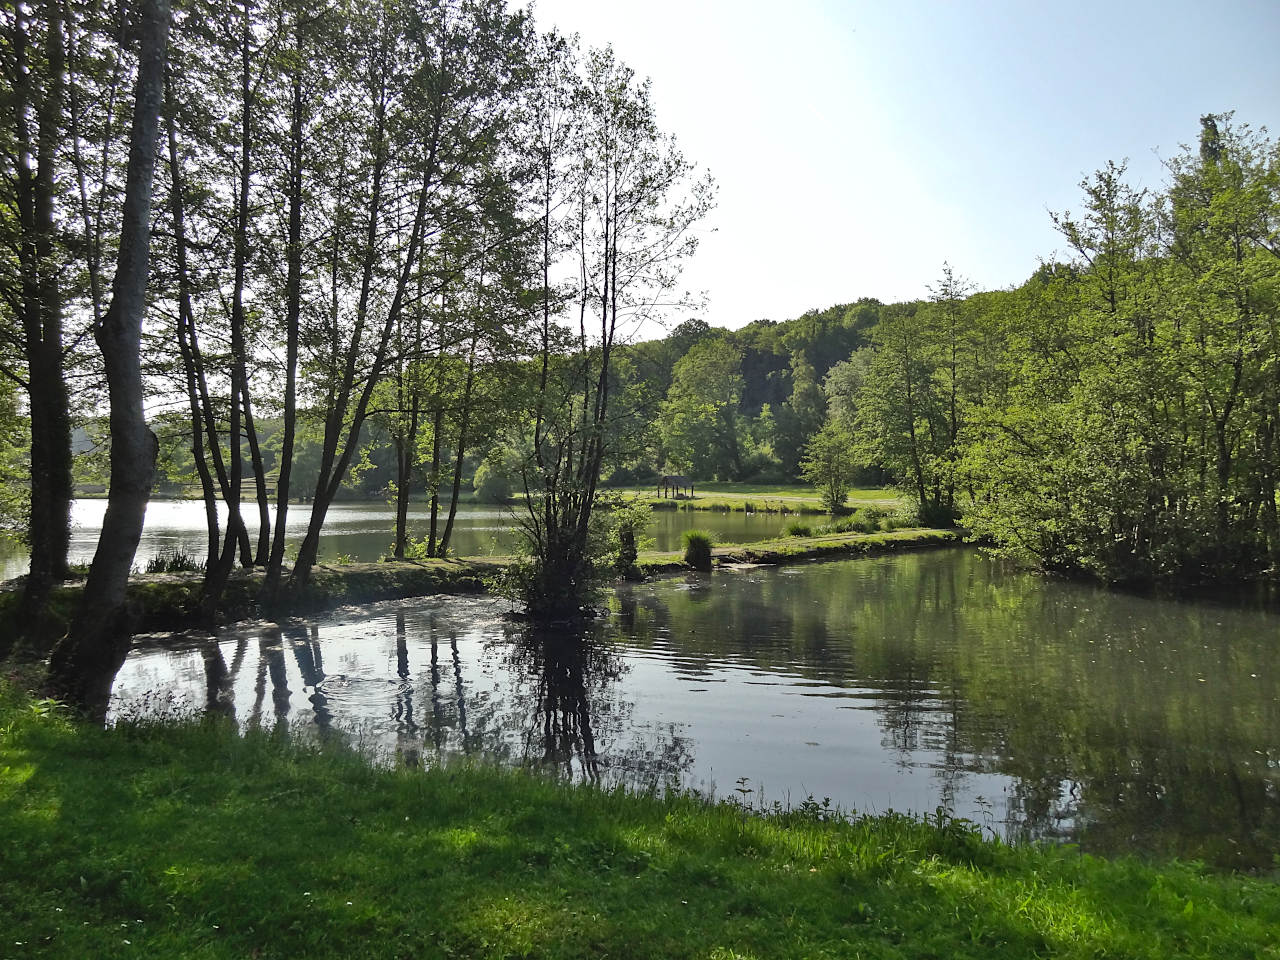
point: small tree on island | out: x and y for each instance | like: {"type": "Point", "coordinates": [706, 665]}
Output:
{"type": "Point", "coordinates": [618, 205]}
{"type": "Point", "coordinates": [830, 464]}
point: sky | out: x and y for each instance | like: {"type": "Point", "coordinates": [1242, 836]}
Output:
{"type": "Point", "coordinates": [858, 145]}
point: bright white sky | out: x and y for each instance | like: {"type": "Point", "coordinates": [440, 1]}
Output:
{"type": "Point", "coordinates": [857, 145]}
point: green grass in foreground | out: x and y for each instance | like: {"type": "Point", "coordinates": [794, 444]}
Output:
{"type": "Point", "coordinates": [188, 841]}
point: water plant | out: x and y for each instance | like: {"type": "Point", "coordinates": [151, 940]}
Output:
{"type": "Point", "coordinates": [174, 560]}
{"type": "Point", "coordinates": [697, 548]}
{"type": "Point", "coordinates": [798, 529]}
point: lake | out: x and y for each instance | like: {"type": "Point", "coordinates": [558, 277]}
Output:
{"type": "Point", "coordinates": [1038, 709]}
{"type": "Point", "coordinates": [364, 531]}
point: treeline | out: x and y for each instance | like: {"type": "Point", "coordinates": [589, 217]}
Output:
{"type": "Point", "coordinates": [1115, 416]}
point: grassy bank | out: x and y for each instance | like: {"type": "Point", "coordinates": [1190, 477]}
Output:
{"type": "Point", "coordinates": [171, 601]}
{"type": "Point", "coordinates": [782, 550]}
{"type": "Point", "coordinates": [189, 841]}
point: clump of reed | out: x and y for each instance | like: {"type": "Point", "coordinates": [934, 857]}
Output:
{"type": "Point", "coordinates": [175, 560]}
{"type": "Point", "coordinates": [697, 548]}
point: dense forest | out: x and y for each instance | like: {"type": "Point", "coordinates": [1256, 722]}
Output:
{"type": "Point", "coordinates": [259, 253]}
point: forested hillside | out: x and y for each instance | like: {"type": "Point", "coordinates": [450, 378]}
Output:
{"type": "Point", "coordinates": [1116, 415]}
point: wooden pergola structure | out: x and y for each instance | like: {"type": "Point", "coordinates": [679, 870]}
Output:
{"type": "Point", "coordinates": [670, 484]}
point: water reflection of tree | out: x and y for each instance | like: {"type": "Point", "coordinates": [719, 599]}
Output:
{"type": "Point", "coordinates": [574, 715]}
{"type": "Point", "coordinates": [1118, 720]}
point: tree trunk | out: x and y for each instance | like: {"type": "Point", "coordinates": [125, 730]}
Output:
{"type": "Point", "coordinates": [41, 317]}
{"type": "Point", "coordinates": [240, 406]}
{"type": "Point", "coordinates": [464, 424]}
{"type": "Point", "coordinates": [186, 334]}
{"type": "Point", "coordinates": [260, 485]}
{"type": "Point", "coordinates": [406, 448]}
{"type": "Point", "coordinates": [85, 662]}
{"type": "Point", "coordinates": [293, 297]}
{"type": "Point", "coordinates": [433, 476]}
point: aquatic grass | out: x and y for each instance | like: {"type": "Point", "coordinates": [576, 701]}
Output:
{"type": "Point", "coordinates": [190, 840]}
{"type": "Point", "coordinates": [175, 560]}
{"type": "Point", "coordinates": [697, 548]}
{"type": "Point", "coordinates": [797, 529]}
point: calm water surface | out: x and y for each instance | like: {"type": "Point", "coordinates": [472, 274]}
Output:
{"type": "Point", "coordinates": [364, 531]}
{"type": "Point", "coordinates": [1038, 709]}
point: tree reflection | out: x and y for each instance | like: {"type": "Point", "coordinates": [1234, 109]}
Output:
{"type": "Point", "coordinates": [305, 643]}
{"type": "Point", "coordinates": [574, 716]}
{"type": "Point", "coordinates": [218, 679]}
{"type": "Point", "coordinates": [1118, 722]}
{"type": "Point", "coordinates": [271, 664]}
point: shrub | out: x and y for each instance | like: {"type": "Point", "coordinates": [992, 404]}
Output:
{"type": "Point", "coordinates": [936, 515]}
{"type": "Point", "coordinates": [697, 549]}
{"type": "Point", "coordinates": [798, 529]}
{"type": "Point", "coordinates": [492, 481]}
{"type": "Point", "coordinates": [628, 522]}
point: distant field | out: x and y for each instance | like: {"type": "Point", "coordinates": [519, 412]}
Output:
{"type": "Point", "coordinates": [723, 490]}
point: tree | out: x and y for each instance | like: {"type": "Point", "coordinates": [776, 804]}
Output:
{"type": "Point", "coordinates": [85, 662]}
{"type": "Point", "coordinates": [831, 464]}
{"type": "Point", "coordinates": [630, 209]}
{"type": "Point", "coordinates": [700, 415]}
{"type": "Point", "coordinates": [1130, 434]}
{"type": "Point", "coordinates": [899, 420]}
{"type": "Point", "coordinates": [34, 59]}
{"type": "Point", "coordinates": [435, 91]}
{"type": "Point", "coordinates": [802, 414]}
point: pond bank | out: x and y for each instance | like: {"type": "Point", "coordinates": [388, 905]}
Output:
{"type": "Point", "coordinates": [171, 601]}
{"type": "Point", "coordinates": [187, 839]}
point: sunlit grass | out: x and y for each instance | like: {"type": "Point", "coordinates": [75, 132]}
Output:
{"type": "Point", "coordinates": [191, 841]}
{"type": "Point", "coordinates": [763, 497]}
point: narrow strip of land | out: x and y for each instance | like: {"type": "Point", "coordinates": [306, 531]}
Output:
{"type": "Point", "coordinates": [171, 601]}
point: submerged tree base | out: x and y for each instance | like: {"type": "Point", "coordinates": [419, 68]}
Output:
{"type": "Point", "coordinates": [178, 840]}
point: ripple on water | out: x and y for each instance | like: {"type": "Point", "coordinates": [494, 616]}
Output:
{"type": "Point", "coordinates": [362, 693]}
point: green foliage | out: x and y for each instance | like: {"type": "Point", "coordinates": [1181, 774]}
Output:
{"type": "Point", "coordinates": [15, 469]}
{"type": "Point", "coordinates": [1133, 436]}
{"type": "Point", "coordinates": [629, 519]}
{"type": "Point", "coordinates": [797, 529]}
{"type": "Point", "coordinates": [495, 477]}
{"type": "Point", "coordinates": [801, 416]}
{"type": "Point", "coordinates": [699, 416]}
{"type": "Point", "coordinates": [910, 412]}
{"type": "Point", "coordinates": [830, 463]}
{"type": "Point", "coordinates": [863, 520]}
{"type": "Point", "coordinates": [697, 548]}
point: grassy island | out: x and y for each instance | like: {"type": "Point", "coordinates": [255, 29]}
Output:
{"type": "Point", "coordinates": [188, 840]}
